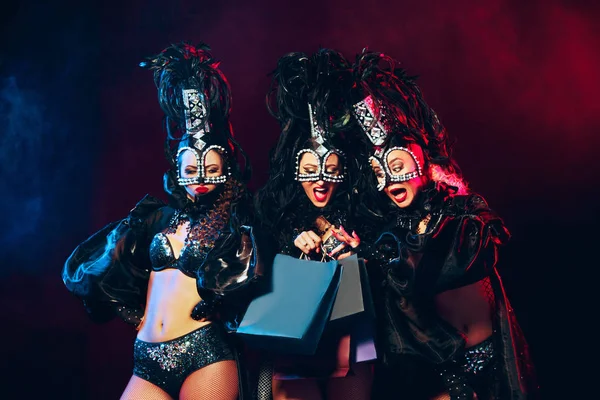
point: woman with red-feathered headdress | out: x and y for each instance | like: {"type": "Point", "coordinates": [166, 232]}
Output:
{"type": "Point", "coordinates": [446, 328]}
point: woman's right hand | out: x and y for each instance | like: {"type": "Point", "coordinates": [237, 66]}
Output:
{"type": "Point", "coordinates": [343, 236]}
{"type": "Point", "coordinates": [308, 241]}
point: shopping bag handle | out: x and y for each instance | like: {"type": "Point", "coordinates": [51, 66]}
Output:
{"type": "Point", "coordinates": [304, 256]}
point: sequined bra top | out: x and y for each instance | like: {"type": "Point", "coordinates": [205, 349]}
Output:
{"type": "Point", "coordinates": [163, 257]}
{"type": "Point", "coordinates": [201, 237]}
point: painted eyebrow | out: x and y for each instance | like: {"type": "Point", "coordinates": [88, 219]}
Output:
{"type": "Point", "coordinates": [211, 165]}
{"type": "Point", "coordinates": [396, 159]}
{"type": "Point", "coordinates": [191, 166]}
{"type": "Point", "coordinates": [309, 165]}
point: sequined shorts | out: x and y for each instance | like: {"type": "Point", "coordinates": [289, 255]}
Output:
{"type": "Point", "coordinates": [478, 357]}
{"type": "Point", "coordinates": [168, 364]}
{"type": "Point", "coordinates": [472, 374]}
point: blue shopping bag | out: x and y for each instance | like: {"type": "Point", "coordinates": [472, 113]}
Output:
{"type": "Point", "coordinates": [290, 318]}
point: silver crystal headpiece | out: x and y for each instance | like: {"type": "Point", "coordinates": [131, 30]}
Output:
{"type": "Point", "coordinates": [196, 116]}
{"type": "Point", "coordinates": [372, 120]}
{"type": "Point", "coordinates": [197, 129]}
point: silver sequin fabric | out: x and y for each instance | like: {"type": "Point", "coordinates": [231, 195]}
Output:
{"type": "Point", "coordinates": [479, 356]}
{"type": "Point", "coordinates": [167, 364]}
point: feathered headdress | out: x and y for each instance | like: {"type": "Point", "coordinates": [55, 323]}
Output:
{"type": "Point", "coordinates": [391, 112]}
{"type": "Point", "coordinates": [196, 99]}
{"type": "Point", "coordinates": [306, 97]}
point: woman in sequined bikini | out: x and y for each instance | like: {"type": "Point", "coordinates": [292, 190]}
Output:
{"type": "Point", "coordinates": [306, 202]}
{"type": "Point", "coordinates": [447, 330]}
{"type": "Point", "coordinates": [182, 273]}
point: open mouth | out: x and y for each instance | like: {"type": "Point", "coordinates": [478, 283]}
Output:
{"type": "Point", "coordinates": [320, 193]}
{"type": "Point", "coordinates": [399, 194]}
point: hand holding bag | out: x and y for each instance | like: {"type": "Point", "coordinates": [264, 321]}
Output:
{"type": "Point", "coordinates": [349, 334]}
{"type": "Point", "coordinates": [291, 317]}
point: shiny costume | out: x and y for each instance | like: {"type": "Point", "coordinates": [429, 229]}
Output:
{"type": "Point", "coordinates": [459, 247]}
{"type": "Point", "coordinates": [110, 271]}
{"type": "Point", "coordinates": [168, 364]}
{"type": "Point", "coordinates": [306, 98]}
{"type": "Point", "coordinates": [423, 355]}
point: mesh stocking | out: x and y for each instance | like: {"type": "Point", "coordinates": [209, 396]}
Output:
{"type": "Point", "coordinates": [218, 381]}
{"type": "Point", "coordinates": [489, 292]}
{"type": "Point", "coordinates": [140, 389]}
{"type": "Point", "coordinates": [264, 382]}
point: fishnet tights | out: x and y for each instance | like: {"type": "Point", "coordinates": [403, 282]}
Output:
{"type": "Point", "coordinates": [218, 381]}
{"type": "Point", "coordinates": [140, 389]}
{"type": "Point", "coordinates": [489, 292]}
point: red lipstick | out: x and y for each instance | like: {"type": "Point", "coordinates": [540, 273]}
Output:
{"type": "Point", "coordinates": [320, 193]}
{"type": "Point", "coordinates": [201, 189]}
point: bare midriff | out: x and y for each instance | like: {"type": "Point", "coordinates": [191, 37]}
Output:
{"type": "Point", "coordinates": [171, 298]}
{"type": "Point", "coordinates": [468, 309]}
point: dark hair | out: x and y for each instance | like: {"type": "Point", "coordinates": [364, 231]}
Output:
{"type": "Point", "coordinates": [411, 119]}
{"type": "Point", "coordinates": [183, 66]}
{"type": "Point", "coordinates": [323, 80]}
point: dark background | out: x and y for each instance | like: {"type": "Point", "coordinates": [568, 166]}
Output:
{"type": "Point", "coordinates": [515, 82]}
